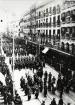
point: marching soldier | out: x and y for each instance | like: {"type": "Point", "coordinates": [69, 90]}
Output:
{"type": "Point", "coordinates": [61, 92]}
{"type": "Point", "coordinates": [53, 88]}
{"type": "Point", "coordinates": [43, 103]}
{"type": "Point", "coordinates": [18, 100]}
{"type": "Point", "coordinates": [50, 77]}
{"type": "Point", "coordinates": [60, 101]}
{"type": "Point", "coordinates": [45, 90]}
{"type": "Point", "coordinates": [29, 93]}
{"type": "Point", "coordinates": [36, 92]}
{"type": "Point", "coordinates": [53, 79]}
{"type": "Point", "coordinates": [49, 86]}
{"type": "Point", "coordinates": [45, 75]}
{"type": "Point", "coordinates": [41, 86]}
{"type": "Point", "coordinates": [53, 102]}
{"type": "Point", "coordinates": [68, 86]}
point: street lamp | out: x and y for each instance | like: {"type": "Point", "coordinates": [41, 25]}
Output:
{"type": "Point", "coordinates": [1, 39]}
{"type": "Point", "coordinates": [39, 43]}
{"type": "Point", "coordinates": [13, 60]}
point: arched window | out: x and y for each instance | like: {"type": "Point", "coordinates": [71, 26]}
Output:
{"type": "Point", "coordinates": [68, 32]}
{"type": "Point", "coordinates": [73, 15]}
{"type": "Point", "coordinates": [63, 31]}
{"type": "Point", "coordinates": [58, 9]}
{"type": "Point", "coordinates": [54, 10]}
{"type": "Point", "coordinates": [63, 17]}
{"type": "Point", "coordinates": [67, 47]}
{"type": "Point", "coordinates": [62, 46]}
{"type": "Point", "coordinates": [72, 45]}
{"type": "Point", "coordinates": [73, 32]}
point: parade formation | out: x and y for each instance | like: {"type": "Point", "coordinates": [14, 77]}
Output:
{"type": "Point", "coordinates": [41, 82]}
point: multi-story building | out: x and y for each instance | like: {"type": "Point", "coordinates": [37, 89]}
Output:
{"type": "Point", "coordinates": [33, 23]}
{"type": "Point", "coordinates": [48, 22]}
{"type": "Point", "coordinates": [54, 24]}
{"type": "Point", "coordinates": [68, 27]}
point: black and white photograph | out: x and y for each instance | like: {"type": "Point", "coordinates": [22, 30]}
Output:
{"type": "Point", "coordinates": [37, 52]}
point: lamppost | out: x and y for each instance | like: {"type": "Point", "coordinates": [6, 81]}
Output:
{"type": "Point", "coordinates": [1, 38]}
{"type": "Point", "coordinates": [13, 60]}
{"type": "Point", "coordinates": [39, 44]}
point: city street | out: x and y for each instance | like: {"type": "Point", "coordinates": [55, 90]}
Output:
{"type": "Point", "coordinates": [37, 52]}
{"type": "Point", "coordinates": [68, 98]}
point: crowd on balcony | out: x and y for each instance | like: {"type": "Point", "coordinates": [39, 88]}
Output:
{"type": "Point", "coordinates": [68, 17]}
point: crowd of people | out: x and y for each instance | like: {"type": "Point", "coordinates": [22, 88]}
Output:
{"type": "Point", "coordinates": [18, 50]}
{"type": "Point", "coordinates": [41, 82]}
{"type": "Point", "coordinates": [6, 90]}
{"type": "Point", "coordinates": [65, 69]}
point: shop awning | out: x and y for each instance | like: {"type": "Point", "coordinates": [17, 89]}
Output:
{"type": "Point", "coordinates": [45, 50]}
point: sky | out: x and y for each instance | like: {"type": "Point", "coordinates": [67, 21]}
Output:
{"type": "Point", "coordinates": [17, 7]}
{"type": "Point", "coordinates": [11, 10]}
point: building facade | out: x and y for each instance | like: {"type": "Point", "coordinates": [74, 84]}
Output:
{"type": "Point", "coordinates": [53, 23]}
{"type": "Point", "coordinates": [68, 27]}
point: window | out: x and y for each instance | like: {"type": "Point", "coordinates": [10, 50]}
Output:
{"type": "Point", "coordinates": [47, 10]}
{"type": "Point", "coordinates": [47, 22]}
{"type": "Point", "coordinates": [73, 32]}
{"type": "Point", "coordinates": [72, 47]}
{"type": "Point", "coordinates": [50, 34]}
{"type": "Point", "coordinates": [62, 46]}
{"type": "Point", "coordinates": [50, 10]}
{"type": "Point", "coordinates": [58, 20]}
{"type": "Point", "coordinates": [54, 37]}
{"type": "Point", "coordinates": [50, 21]}
{"type": "Point", "coordinates": [58, 34]}
{"type": "Point", "coordinates": [68, 32]}
{"type": "Point", "coordinates": [73, 15]}
{"type": "Point", "coordinates": [68, 13]}
{"type": "Point", "coordinates": [46, 36]}
{"type": "Point", "coordinates": [54, 10]}
{"type": "Point", "coordinates": [63, 17]}
{"type": "Point", "coordinates": [46, 33]}
{"type": "Point", "coordinates": [54, 21]}
{"type": "Point", "coordinates": [67, 47]}
{"type": "Point", "coordinates": [63, 31]}
{"type": "Point", "coordinates": [39, 23]}
{"type": "Point", "coordinates": [58, 9]}
{"type": "Point", "coordinates": [39, 14]}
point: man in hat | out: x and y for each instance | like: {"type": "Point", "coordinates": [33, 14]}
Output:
{"type": "Point", "coordinates": [60, 101]}
{"type": "Point", "coordinates": [53, 102]}
{"type": "Point", "coordinates": [36, 92]}
{"type": "Point", "coordinates": [43, 103]}
{"type": "Point", "coordinates": [29, 93]}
